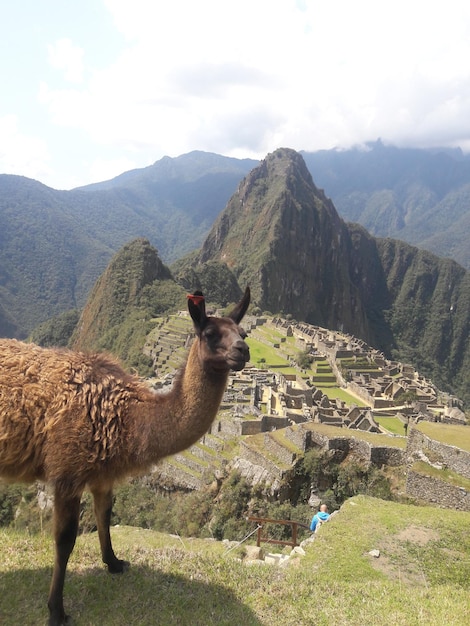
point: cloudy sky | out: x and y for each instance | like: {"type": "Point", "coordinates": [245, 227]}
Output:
{"type": "Point", "coordinates": [92, 88]}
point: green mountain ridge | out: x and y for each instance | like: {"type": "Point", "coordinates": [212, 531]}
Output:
{"type": "Point", "coordinates": [281, 235]}
{"type": "Point", "coordinates": [55, 244]}
{"type": "Point", "coordinates": [418, 196]}
{"type": "Point", "coordinates": [279, 232]}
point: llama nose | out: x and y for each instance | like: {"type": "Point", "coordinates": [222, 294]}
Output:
{"type": "Point", "coordinates": [243, 348]}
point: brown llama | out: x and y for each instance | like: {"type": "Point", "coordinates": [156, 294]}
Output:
{"type": "Point", "coordinates": [79, 420]}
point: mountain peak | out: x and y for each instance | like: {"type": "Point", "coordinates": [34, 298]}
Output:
{"type": "Point", "coordinates": [132, 268]}
{"type": "Point", "coordinates": [281, 235]}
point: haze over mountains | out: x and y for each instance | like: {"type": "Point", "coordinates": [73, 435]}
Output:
{"type": "Point", "coordinates": [55, 244]}
{"type": "Point", "coordinates": [419, 196]}
{"type": "Point", "coordinates": [279, 232]}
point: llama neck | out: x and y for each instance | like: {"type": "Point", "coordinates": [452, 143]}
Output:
{"type": "Point", "coordinates": [180, 418]}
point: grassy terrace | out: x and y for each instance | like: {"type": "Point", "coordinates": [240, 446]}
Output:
{"type": "Point", "coordinates": [421, 578]}
{"type": "Point", "coordinates": [446, 475]}
{"type": "Point", "coordinates": [377, 439]}
{"type": "Point", "coordinates": [171, 460]}
{"type": "Point", "coordinates": [262, 354]}
{"type": "Point", "coordinates": [338, 393]}
{"type": "Point", "coordinates": [257, 442]}
{"type": "Point", "coordinates": [362, 365]}
{"type": "Point", "coordinates": [450, 434]}
{"type": "Point", "coordinates": [279, 436]}
{"type": "Point", "coordinates": [392, 424]}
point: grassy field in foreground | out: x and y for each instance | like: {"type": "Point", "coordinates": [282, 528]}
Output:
{"type": "Point", "coordinates": [422, 576]}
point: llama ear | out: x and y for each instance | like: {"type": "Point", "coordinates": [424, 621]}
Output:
{"type": "Point", "coordinates": [197, 310]}
{"type": "Point", "coordinates": [239, 311]}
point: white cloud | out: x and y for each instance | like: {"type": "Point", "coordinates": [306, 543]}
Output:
{"type": "Point", "coordinates": [245, 78]}
{"type": "Point", "coordinates": [105, 169]}
{"type": "Point", "coordinates": [64, 55]}
{"type": "Point", "coordinates": [325, 74]}
{"type": "Point", "coordinates": [20, 153]}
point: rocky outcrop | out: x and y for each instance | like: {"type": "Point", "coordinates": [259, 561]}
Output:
{"type": "Point", "coordinates": [280, 234]}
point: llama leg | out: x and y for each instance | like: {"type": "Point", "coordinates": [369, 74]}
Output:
{"type": "Point", "coordinates": [103, 503]}
{"type": "Point", "coordinates": [66, 512]}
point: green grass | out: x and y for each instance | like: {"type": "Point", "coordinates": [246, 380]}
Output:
{"type": "Point", "coordinates": [259, 351]}
{"type": "Point", "coordinates": [451, 434]}
{"type": "Point", "coordinates": [377, 439]}
{"type": "Point", "coordinates": [444, 474]}
{"type": "Point", "coordinates": [421, 578]}
{"type": "Point", "coordinates": [338, 393]}
{"type": "Point", "coordinates": [392, 424]}
{"type": "Point", "coordinates": [257, 443]}
{"type": "Point", "coordinates": [280, 437]}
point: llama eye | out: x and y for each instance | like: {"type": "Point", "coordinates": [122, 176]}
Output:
{"type": "Point", "coordinates": [210, 333]}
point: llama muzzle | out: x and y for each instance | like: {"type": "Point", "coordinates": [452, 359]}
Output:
{"type": "Point", "coordinates": [239, 355]}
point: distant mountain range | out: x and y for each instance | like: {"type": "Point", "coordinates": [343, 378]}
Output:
{"type": "Point", "coordinates": [282, 235]}
{"type": "Point", "coordinates": [419, 196]}
{"type": "Point", "coordinates": [55, 244]}
{"type": "Point", "coordinates": [279, 231]}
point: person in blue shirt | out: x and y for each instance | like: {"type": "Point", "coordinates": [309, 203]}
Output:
{"type": "Point", "coordinates": [320, 517]}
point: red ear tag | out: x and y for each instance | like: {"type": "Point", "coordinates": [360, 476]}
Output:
{"type": "Point", "coordinates": [196, 300]}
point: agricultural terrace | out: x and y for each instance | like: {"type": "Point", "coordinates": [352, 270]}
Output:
{"type": "Point", "coordinates": [444, 474]}
{"type": "Point", "coordinates": [278, 358]}
{"type": "Point", "coordinates": [450, 434]}
{"type": "Point", "coordinates": [265, 355]}
{"type": "Point", "coordinates": [376, 439]}
{"type": "Point", "coordinates": [394, 425]}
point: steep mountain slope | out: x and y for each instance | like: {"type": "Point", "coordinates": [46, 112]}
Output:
{"type": "Point", "coordinates": [55, 244]}
{"type": "Point", "coordinates": [430, 314]}
{"type": "Point", "coordinates": [280, 234]}
{"type": "Point", "coordinates": [48, 261]}
{"type": "Point", "coordinates": [173, 202]}
{"type": "Point", "coordinates": [135, 287]}
{"type": "Point", "coordinates": [419, 196]}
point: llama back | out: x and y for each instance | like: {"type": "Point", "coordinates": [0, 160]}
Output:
{"type": "Point", "coordinates": [60, 412]}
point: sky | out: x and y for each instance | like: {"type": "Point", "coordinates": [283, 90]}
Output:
{"type": "Point", "coordinates": [93, 88]}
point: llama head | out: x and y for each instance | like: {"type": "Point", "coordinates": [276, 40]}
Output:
{"type": "Point", "coordinates": [221, 339]}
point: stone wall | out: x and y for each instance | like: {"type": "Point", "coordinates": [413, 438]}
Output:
{"type": "Point", "coordinates": [176, 477]}
{"type": "Point", "coordinates": [387, 456]}
{"type": "Point", "coordinates": [299, 437]}
{"type": "Point", "coordinates": [361, 449]}
{"type": "Point", "coordinates": [256, 474]}
{"type": "Point", "coordinates": [257, 458]}
{"type": "Point", "coordinates": [279, 451]}
{"type": "Point", "coordinates": [437, 491]}
{"type": "Point", "coordinates": [263, 424]}
{"type": "Point", "coordinates": [452, 457]}
{"type": "Point", "coordinates": [378, 455]}
{"type": "Point", "coordinates": [372, 401]}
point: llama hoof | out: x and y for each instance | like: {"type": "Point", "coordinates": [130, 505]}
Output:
{"type": "Point", "coordinates": [67, 620]}
{"type": "Point", "coordinates": [118, 567]}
